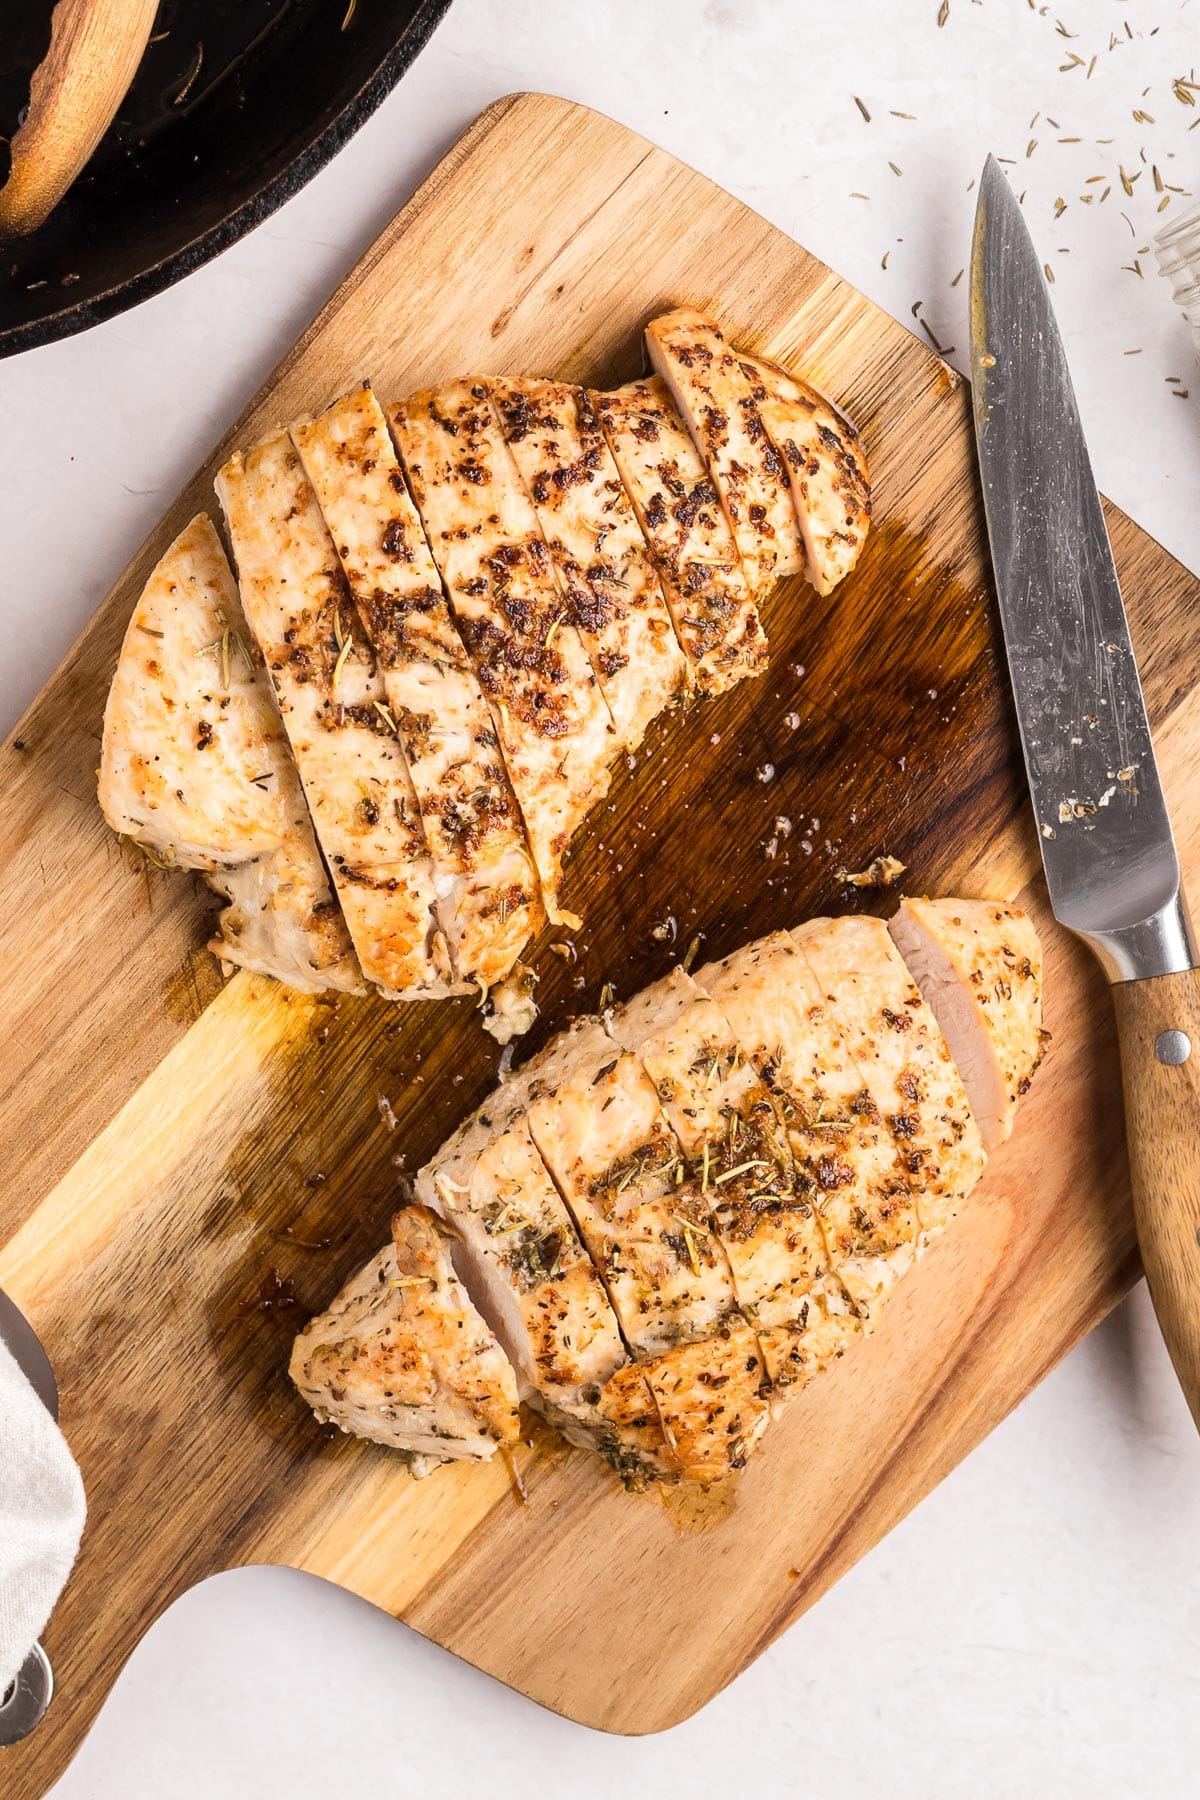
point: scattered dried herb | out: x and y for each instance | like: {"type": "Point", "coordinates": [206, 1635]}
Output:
{"type": "Point", "coordinates": [190, 78]}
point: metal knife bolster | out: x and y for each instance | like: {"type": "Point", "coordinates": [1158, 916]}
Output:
{"type": "Point", "coordinates": [1163, 944]}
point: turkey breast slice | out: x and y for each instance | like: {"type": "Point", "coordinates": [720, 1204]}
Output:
{"type": "Point", "coordinates": [329, 693]}
{"type": "Point", "coordinates": [826, 466]}
{"type": "Point", "coordinates": [551, 717]}
{"type": "Point", "coordinates": [600, 556]}
{"type": "Point", "coordinates": [402, 1356]}
{"type": "Point", "coordinates": [711, 1400]}
{"type": "Point", "coordinates": [978, 964]}
{"type": "Point", "coordinates": [902, 1058]}
{"type": "Point", "coordinates": [844, 1156]}
{"type": "Point", "coordinates": [719, 403]}
{"type": "Point", "coordinates": [532, 1278]}
{"type": "Point", "coordinates": [488, 902]}
{"type": "Point", "coordinates": [646, 1221]}
{"type": "Point", "coordinates": [726, 1124]}
{"type": "Point", "coordinates": [677, 506]}
{"type": "Point", "coordinates": [619, 1167]}
{"type": "Point", "coordinates": [194, 766]}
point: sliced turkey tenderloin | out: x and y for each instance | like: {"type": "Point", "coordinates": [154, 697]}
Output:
{"type": "Point", "coordinates": [978, 964]}
{"type": "Point", "coordinates": [718, 402]}
{"type": "Point", "coordinates": [845, 1158]}
{"type": "Point", "coordinates": [619, 1167]}
{"type": "Point", "coordinates": [530, 1274]}
{"type": "Point", "coordinates": [401, 1356]}
{"type": "Point", "coordinates": [618, 1137]}
{"type": "Point", "coordinates": [726, 1123]}
{"type": "Point", "coordinates": [713, 609]}
{"type": "Point", "coordinates": [551, 717]}
{"type": "Point", "coordinates": [711, 1398]}
{"type": "Point", "coordinates": [600, 556]}
{"type": "Point", "coordinates": [488, 902]}
{"type": "Point", "coordinates": [902, 1059]}
{"type": "Point", "coordinates": [329, 693]}
{"type": "Point", "coordinates": [195, 767]}
{"type": "Point", "coordinates": [826, 466]}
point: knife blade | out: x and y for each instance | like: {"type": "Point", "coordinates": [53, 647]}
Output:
{"type": "Point", "coordinates": [1106, 840]}
{"type": "Point", "coordinates": [1105, 835]}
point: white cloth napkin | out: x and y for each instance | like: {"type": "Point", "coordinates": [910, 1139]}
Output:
{"type": "Point", "coordinates": [42, 1510]}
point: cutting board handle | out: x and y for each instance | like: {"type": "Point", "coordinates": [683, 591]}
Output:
{"type": "Point", "coordinates": [1159, 1026]}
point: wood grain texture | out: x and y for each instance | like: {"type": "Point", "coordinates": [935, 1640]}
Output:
{"type": "Point", "coordinates": [95, 49]}
{"type": "Point", "coordinates": [1162, 1108]}
{"type": "Point", "coordinates": [170, 1142]}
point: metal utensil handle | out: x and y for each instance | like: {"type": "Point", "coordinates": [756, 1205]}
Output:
{"type": "Point", "coordinates": [30, 1694]}
{"type": "Point", "coordinates": [27, 1699]}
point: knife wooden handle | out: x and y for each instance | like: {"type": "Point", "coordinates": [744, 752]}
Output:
{"type": "Point", "coordinates": [1161, 1076]}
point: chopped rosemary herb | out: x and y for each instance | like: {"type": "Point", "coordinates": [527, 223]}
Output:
{"type": "Point", "coordinates": [340, 664]}
{"type": "Point", "coordinates": [731, 1174]}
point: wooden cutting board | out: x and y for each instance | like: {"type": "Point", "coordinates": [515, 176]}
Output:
{"type": "Point", "coordinates": [191, 1166]}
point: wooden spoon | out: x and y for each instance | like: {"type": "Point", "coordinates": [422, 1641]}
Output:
{"type": "Point", "coordinates": [95, 48]}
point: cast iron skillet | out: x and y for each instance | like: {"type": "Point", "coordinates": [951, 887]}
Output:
{"type": "Point", "coordinates": [237, 103]}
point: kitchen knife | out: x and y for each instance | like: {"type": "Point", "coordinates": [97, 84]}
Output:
{"type": "Point", "coordinates": [1106, 840]}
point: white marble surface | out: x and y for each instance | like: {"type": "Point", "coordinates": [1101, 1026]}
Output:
{"type": "Point", "coordinates": [1035, 1626]}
